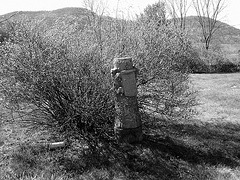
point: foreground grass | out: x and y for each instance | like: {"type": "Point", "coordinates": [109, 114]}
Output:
{"type": "Point", "coordinates": [204, 148]}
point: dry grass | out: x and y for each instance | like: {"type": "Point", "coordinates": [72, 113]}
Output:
{"type": "Point", "coordinates": [205, 148]}
{"type": "Point", "coordinates": [219, 104]}
{"type": "Point", "coordinates": [219, 97]}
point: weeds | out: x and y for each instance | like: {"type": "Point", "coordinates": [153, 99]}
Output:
{"type": "Point", "coordinates": [178, 150]}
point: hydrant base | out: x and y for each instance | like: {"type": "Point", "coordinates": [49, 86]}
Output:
{"type": "Point", "coordinates": [128, 135]}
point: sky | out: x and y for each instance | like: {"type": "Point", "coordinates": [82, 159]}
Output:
{"type": "Point", "coordinates": [125, 8]}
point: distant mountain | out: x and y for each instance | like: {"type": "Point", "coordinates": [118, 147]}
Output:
{"type": "Point", "coordinates": [226, 38]}
{"type": "Point", "coordinates": [50, 18]}
{"type": "Point", "coordinates": [55, 19]}
{"type": "Point", "coordinates": [69, 11]}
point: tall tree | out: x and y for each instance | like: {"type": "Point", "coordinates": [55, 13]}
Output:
{"type": "Point", "coordinates": [208, 13]}
{"type": "Point", "coordinates": [178, 11]}
{"type": "Point", "coordinates": [156, 13]}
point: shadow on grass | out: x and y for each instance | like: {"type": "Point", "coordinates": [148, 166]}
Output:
{"type": "Point", "coordinates": [169, 150]}
{"type": "Point", "coordinates": [196, 143]}
{"type": "Point", "coordinates": [181, 150]}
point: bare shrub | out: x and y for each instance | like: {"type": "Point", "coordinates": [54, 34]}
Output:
{"type": "Point", "coordinates": [164, 55]}
{"type": "Point", "coordinates": [71, 93]}
{"type": "Point", "coordinates": [64, 73]}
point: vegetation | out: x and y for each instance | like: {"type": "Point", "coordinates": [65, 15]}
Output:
{"type": "Point", "coordinates": [178, 11]}
{"type": "Point", "coordinates": [212, 62]}
{"type": "Point", "coordinates": [206, 148]}
{"type": "Point", "coordinates": [208, 13]}
{"type": "Point", "coordinates": [225, 39]}
{"type": "Point", "coordinates": [56, 85]}
{"type": "Point", "coordinates": [218, 97]}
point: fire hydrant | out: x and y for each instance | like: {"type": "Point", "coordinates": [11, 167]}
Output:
{"type": "Point", "coordinates": [127, 125]}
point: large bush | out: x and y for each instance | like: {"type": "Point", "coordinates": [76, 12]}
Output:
{"type": "Point", "coordinates": [70, 94]}
{"type": "Point", "coordinates": [63, 72]}
{"type": "Point", "coordinates": [164, 54]}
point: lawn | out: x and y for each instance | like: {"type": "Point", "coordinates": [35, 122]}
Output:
{"type": "Point", "coordinates": [219, 97]}
{"type": "Point", "coordinates": [207, 147]}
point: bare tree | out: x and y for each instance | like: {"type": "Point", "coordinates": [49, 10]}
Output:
{"type": "Point", "coordinates": [178, 11]}
{"type": "Point", "coordinates": [156, 12]}
{"type": "Point", "coordinates": [95, 19]}
{"type": "Point", "coordinates": [208, 13]}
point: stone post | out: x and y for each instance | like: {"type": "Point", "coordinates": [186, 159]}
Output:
{"type": "Point", "coordinates": [128, 125]}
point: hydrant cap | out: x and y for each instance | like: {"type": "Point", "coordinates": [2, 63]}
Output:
{"type": "Point", "coordinates": [123, 63]}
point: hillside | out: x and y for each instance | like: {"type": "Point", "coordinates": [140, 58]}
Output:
{"type": "Point", "coordinates": [59, 19]}
{"type": "Point", "coordinates": [69, 11]}
{"type": "Point", "coordinates": [49, 18]}
{"type": "Point", "coordinates": [227, 38]}
{"type": "Point", "coordinates": [226, 34]}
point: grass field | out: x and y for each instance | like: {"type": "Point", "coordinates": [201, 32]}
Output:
{"type": "Point", "coordinates": [219, 97]}
{"type": "Point", "coordinates": [207, 147]}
